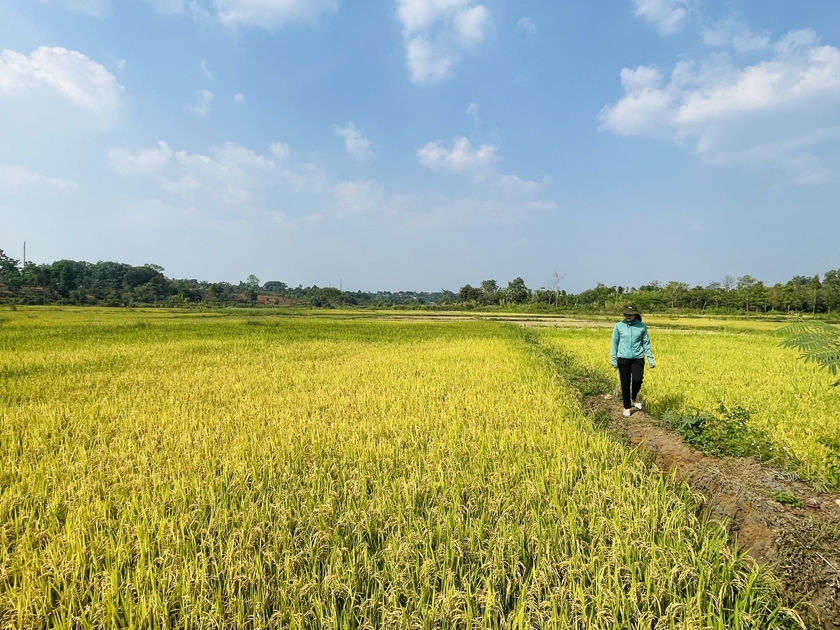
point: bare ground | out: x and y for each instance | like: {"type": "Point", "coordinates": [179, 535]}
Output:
{"type": "Point", "coordinates": [803, 543]}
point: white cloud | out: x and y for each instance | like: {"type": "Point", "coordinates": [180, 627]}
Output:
{"type": "Point", "coordinates": [436, 32]}
{"type": "Point", "coordinates": [16, 179]}
{"type": "Point", "coordinates": [777, 111]}
{"type": "Point", "coordinates": [168, 6]}
{"type": "Point", "coordinates": [478, 163]}
{"type": "Point", "coordinates": [426, 64]}
{"type": "Point", "coordinates": [93, 8]}
{"type": "Point", "coordinates": [68, 75]}
{"type": "Point", "coordinates": [148, 161]}
{"type": "Point", "coordinates": [731, 33]}
{"type": "Point", "coordinates": [667, 16]}
{"type": "Point", "coordinates": [207, 74]}
{"type": "Point", "coordinates": [232, 180]}
{"type": "Point", "coordinates": [472, 112]}
{"type": "Point", "coordinates": [527, 26]}
{"type": "Point", "coordinates": [640, 79]}
{"type": "Point", "coordinates": [358, 197]}
{"type": "Point", "coordinates": [198, 13]}
{"type": "Point", "coordinates": [102, 8]}
{"type": "Point", "coordinates": [202, 103]}
{"type": "Point", "coordinates": [239, 98]}
{"type": "Point", "coordinates": [271, 14]}
{"type": "Point", "coordinates": [155, 214]}
{"type": "Point", "coordinates": [356, 144]}
{"type": "Point", "coordinates": [230, 175]}
{"type": "Point", "coordinates": [282, 218]}
{"type": "Point", "coordinates": [514, 186]}
{"type": "Point", "coordinates": [280, 150]}
{"type": "Point", "coordinates": [367, 199]}
{"type": "Point", "coordinates": [461, 158]}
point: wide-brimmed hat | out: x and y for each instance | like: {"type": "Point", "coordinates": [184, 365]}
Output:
{"type": "Point", "coordinates": [630, 309]}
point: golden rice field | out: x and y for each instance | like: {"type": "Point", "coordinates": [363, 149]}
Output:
{"type": "Point", "coordinates": [163, 470]}
{"type": "Point", "coordinates": [791, 400]}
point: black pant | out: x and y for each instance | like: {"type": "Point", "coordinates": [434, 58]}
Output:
{"type": "Point", "coordinates": [631, 373]}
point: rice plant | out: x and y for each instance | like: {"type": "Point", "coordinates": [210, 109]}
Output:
{"type": "Point", "coordinates": [702, 371]}
{"type": "Point", "coordinates": [172, 471]}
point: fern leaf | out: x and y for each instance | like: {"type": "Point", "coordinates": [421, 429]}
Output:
{"type": "Point", "coordinates": [817, 342]}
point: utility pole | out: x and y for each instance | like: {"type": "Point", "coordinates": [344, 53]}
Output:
{"type": "Point", "coordinates": [24, 253]}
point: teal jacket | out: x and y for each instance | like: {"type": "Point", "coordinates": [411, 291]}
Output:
{"type": "Point", "coordinates": [630, 341]}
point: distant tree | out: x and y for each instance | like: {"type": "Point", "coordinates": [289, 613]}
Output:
{"type": "Point", "coordinates": [675, 291]}
{"type": "Point", "coordinates": [469, 294]}
{"type": "Point", "coordinates": [516, 291]}
{"type": "Point", "coordinates": [758, 296]}
{"type": "Point", "coordinates": [745, 285]}
{"type": "Point", "coordinates": [9, 271]}
{"type": "Point", "coordinates": [273, 286]}
{"type": "Point", "coordinates": [138, 276]}
{"type": "Point", "coordinates": [651, 287]}
{"type": "Point", "coordinates": [253, 281]}
{"type": "Point", "coordinates": [831, 290]}
{"type": "Point", "coordinates": [814, 285]}
{"type": "Point", "coordinates": [555, 287]}
{"type": "Point", "coordinates": [63, 277]}
{"type": "Point", "coordinates": [727, 283]}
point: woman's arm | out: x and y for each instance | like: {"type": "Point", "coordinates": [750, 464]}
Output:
{"type": "Point", "coordinates": [614, 353]}
{"type": "Point", "coordinates": [647, 348]}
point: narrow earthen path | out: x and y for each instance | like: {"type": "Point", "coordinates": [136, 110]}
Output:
{"type": "Point", "coordinates": [803, 543]}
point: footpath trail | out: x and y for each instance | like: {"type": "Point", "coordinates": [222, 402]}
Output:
{"type": "Point", "coordinates": [803, 542]}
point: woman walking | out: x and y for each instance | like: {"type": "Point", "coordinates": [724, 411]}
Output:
{"type": "Point", "coordinates": [630, 346]}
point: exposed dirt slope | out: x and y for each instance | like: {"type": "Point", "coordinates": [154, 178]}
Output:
{"type": "Point", "coordinates": [804, 542]}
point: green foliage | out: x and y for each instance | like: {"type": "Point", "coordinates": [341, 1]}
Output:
{"type": "Point", "coordinates": [818, 343]}
{"type": "Point", "coordinates": [517, 292]}
{"type": "Point", "coordinates": [786, 497]}
{"type": "Point", "coordinates": [601, 419]}
{"type": "Point", "coordinates": [727, 432]}
{"type": "Point", "coordinates": [832, 445]}
{"type": "Point", "coordinates": [585, 380]}
{"type": "Point", "coordinates": [470, 294]}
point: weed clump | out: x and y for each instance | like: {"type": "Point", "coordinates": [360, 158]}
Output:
{"type": "Point", "coordinates": [726, 432]}
{"type": "Point", "coordinates": [786, 497]}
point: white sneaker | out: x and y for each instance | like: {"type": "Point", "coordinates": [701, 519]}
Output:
{"type": "Point", "coordinates": [626, 413]}
{"type": "Point", "coordinates": [638, 404]}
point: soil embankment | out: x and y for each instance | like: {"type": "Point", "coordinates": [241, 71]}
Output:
{"type": "Point", "coordinates": [803, 542]}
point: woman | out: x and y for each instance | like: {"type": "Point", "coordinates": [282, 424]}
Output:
{"type": "Point", "coordinates": [630, 345]}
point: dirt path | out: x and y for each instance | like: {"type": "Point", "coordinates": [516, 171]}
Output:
{"type": "Point", "coordinates": [803, 542]}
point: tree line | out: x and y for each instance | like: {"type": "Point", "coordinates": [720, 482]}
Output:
{"type": "Point", "coordinates": [120, 284]}
{"type": "Point", "coordinates": [746, 294]}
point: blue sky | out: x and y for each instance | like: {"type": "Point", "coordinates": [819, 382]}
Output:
{"type": "Point", "coordinates": [420, 144]}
